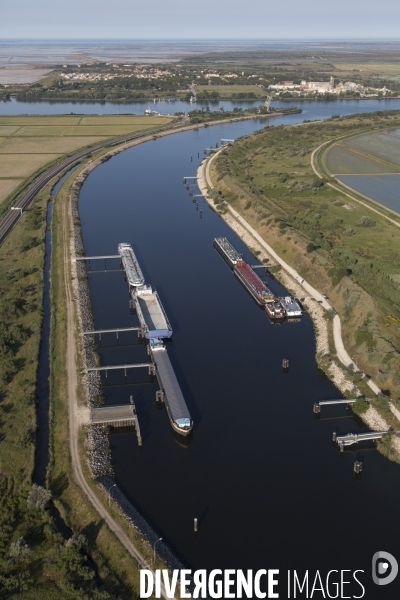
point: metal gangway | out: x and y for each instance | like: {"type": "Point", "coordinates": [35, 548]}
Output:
{"type": "Point", "coordinates": [353, 438]}
{"type": "Point", "coordinates": [317, 405]}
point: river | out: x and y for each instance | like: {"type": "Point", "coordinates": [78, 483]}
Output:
{"type": "Point", "coordinates": [261, 474]}
{"type": "Point", "coordinates": [311, 109]}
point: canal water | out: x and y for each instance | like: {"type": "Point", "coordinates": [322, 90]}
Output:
{"type": "Point", "coordinates": [311, 109]}
{"type": "Point", "coordinates": [260, 473]}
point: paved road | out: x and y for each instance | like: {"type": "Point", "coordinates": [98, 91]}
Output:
{"type": "Point", "coordinates": [38, 184]}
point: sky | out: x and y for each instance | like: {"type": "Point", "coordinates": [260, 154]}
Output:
{"type": "Point", "coordinates": [212, 19]}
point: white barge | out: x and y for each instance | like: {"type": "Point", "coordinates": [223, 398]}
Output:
{"type": "Point", "coordinates": [131, 266]}
{"type": "Point", "coordinates": [151, 314]}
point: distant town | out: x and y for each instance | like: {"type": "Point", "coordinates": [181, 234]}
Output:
{"type": "Point", "coordinates": [327, 87]}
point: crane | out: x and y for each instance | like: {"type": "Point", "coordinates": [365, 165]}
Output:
{"type": "Point", "coordinates": [268, 103]}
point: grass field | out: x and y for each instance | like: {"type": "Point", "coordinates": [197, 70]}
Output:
{"type": "Point", "coordinates": [44, 145]}
{"type": "Point", "coordinates": [228, 90]}
{"type": "Point", "coordinates": [381, 69]}
{"type": "Point", "coordinates": [7, 186]}
{"type": "Point", "coordinates": [27, 143]}
{"type": "Point", "coordinates": [22, 165]}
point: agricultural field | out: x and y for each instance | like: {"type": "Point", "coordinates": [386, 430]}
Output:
{"type": "Point", "coordinates": [381, 188]}
{"type": "Point", "coordinates": [383, 146]}
{"type": "Point", "coordinates": [7, 186]}
{"type": "Point", "coordinates": [27, 143]}
{"type": "Point", "coordinates": [342, 160]}
{"type": "Point", "coordinates": [369, 164]}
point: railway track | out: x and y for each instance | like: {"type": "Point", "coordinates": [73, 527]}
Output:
{"type": "Point", "coordinates": [26, 197]}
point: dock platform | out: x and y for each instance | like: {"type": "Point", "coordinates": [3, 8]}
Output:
{"type": "Point", "coordinates": [120, 415]}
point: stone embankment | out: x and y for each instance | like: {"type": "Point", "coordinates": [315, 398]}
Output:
{"type": "Point", "coordinates": [336, 374]}
{"type": "Point", "coordinates": [97, 441]}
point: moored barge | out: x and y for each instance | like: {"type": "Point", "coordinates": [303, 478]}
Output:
{"type": "Point", "coordinates": [275, 310]}
{"type": "Point", "coordinates": [257, 288]}
{"type": "Point", "coordinates": [291, 306]}
{"type": "Point", "coordinates": [151, 313]}
{"type": "Point", "coordinates": [227, 251]}
{"type": "Point", "coordinates": [131, 266]}
{"type": "Point", "coordinates": [177, 411]}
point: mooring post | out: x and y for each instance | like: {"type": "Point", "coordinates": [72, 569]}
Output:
{"type": "Point", "coordinates": [317, 408]}
{"type": "Point", "coordinates": [357, 466]}
{"type": "Point", "coordinates": [191, 159]}
{"type": "Point", "coordinates": [195, 525]}
{"type": "Point", "coordinates": [334, 435]}
{"type": "Point", "coordinates": [116, 333]}
{"type": "Point", "coordinates": [100, 337]}
{"type": "Point", "coordinates": [341, 446]}
{"type": "Point", "coordinates": [201, 214]}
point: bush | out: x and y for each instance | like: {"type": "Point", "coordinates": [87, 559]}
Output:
{"type": "Point", "coordinates": [360, 406]}
{"type": "Point", "coordinates": [366, 222]}
{"type": "Point", "coordinates": [248, 204]}
{"type": "Point", "coordinates": [310, 247]}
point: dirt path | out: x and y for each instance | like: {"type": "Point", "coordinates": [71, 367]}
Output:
{"type": "Point", "coordinates": [74, 421]}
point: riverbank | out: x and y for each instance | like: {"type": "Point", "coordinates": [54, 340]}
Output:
{"type": "Point", "coordinates": [327, 330]}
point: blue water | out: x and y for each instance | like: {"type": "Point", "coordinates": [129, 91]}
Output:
{"type": "Point", "coordinates": [384, 189]}
{"type": "Point", "coordinates": [311, 109]}
{"type": "Point", "coordinates": [261, 474]}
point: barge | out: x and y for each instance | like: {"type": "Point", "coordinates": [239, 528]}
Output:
{"type": "Point", "coordinates": [174, 401]}
{"type": "Point", "coordinates": [275, 310]}
{"type": "Point", "coordinates": [227, 251]}
{"type": "Point", "coordinates": [131, 266]}
{"type": "Point", "coordinates": [257, 288]}
{"type": "Point", "coordinates": [291, 306]}
{"type": "Point", "coordinates": [151, 314]}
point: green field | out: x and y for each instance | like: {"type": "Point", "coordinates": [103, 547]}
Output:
{"type": "Point", "coordinates": [27, 143]}
{"type": "Point", "coordinates": [226, 91]}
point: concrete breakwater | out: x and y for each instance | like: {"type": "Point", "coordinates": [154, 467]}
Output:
{"type": "Point", "coordinates": [97, 441]}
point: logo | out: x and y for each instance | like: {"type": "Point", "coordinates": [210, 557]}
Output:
{"type": "Point", "coordinates": [384, 568]}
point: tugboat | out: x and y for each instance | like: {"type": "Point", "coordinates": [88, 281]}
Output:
{"type": "Point", "coordinates": [275, 310]}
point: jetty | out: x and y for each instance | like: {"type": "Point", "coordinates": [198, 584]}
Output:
{"type": "Point", "coordinates": [353, 438]}
{"type": "Point", "coordinates": [153, 325]}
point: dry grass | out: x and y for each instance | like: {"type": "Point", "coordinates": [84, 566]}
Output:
{"type": "Point", "coordinates": [124, 120]}
{"type": "Point", "coordinates": [381, 69]}
{"type": "Point", "coordinates": [45, 145]}
{"type": "Point", "coordinates": [8, 129]}
{"type": "Point", "coordinates": [7, 186]}
{"type": "Point", "coordinates": [40, 120]}
{"type": "Point", "coordinates": [23, 165]}
{"type": "Point", "coordinates": [102, 130]}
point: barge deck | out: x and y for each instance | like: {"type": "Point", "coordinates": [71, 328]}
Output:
{"type": "Point", "coordinates": [175, 404]}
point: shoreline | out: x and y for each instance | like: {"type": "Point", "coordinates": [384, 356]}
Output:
{"type": "Point", "coordinates": [97, 445]}
{"type": "Point", "coordinates": [298, 286]}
